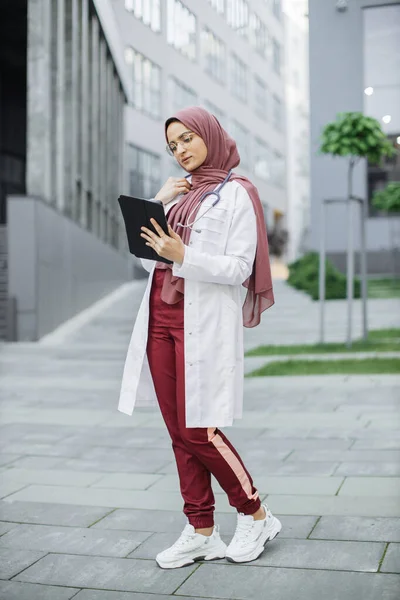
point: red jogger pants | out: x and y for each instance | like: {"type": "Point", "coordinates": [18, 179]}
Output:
{"type": "Point", "coordinates": [199, 452]}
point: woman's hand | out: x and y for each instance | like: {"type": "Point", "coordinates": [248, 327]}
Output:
{"type": "Point", "coordinates": [172, 187]}
{"type": "Point", "coordinates": [168, 246]}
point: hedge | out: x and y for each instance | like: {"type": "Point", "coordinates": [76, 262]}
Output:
{"type": "Point", "coordinates": [304, 272]}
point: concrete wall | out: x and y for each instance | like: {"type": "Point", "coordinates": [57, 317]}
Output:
{"type": "Point", "coordinates": [337, 84]}
{"type": "Point", "coordinates": [56, 268]}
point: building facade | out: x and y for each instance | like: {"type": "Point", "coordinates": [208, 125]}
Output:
{"type": "Point", "coordinates": [298, 126]}
{"type": "Point", "coordinates": [224, 55]}
{"type": "Point", "coordinates": [354, 66]}
{"type": "Point", "coordinates": [63, 88]}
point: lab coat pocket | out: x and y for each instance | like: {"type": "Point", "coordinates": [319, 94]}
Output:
{"type": "Point", "coordinates": [213, 231]}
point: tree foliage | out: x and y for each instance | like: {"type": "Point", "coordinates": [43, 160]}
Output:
{"type": "Point", "coordinates": [388, 199]}
{"type": "Point", "coordinates": [358, 136]}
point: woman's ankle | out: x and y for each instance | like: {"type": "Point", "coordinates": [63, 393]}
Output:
{"type": "Point", "coordinates": [207, 531]}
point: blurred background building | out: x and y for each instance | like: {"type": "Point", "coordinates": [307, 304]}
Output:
{"type": "Point", "coordinates": [63, 87]}
{"type": "Point", "coordinates": [225, 55]}
{"type": "Point", "coordinates": [85, 87]}
{"type": "Point", "coordinates": [354, 66]}
{"type": "Point", "coordinates": [298, 126]}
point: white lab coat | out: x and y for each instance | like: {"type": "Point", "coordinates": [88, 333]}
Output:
{"type": "Point", "coordinates": [218, 259]}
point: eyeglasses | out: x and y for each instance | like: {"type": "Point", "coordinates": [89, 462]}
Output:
{"type": "Point", "coordinates": [184, 139]}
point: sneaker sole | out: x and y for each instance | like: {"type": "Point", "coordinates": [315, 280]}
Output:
{"type": "Point", "coordinates": [190, 561]}
{"type": "Point", "coordinates": [260, 549]}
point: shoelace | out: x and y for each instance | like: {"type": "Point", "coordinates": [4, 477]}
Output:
{"type": "Point", "coordinates": [184, 538]}
{"type": "Point", "coordinates": [243, 530]}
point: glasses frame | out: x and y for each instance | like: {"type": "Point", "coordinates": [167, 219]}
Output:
{"type": "Point", "coordinates": [180, 141]}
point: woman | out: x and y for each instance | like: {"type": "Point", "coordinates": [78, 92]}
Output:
{"type": "Point", "coordinates": [186, 349]}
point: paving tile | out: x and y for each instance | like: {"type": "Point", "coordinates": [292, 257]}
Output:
{"type": "Point", "coordinates": [102, 595]}
{"type": "Point", "coordinates": [379, 529]}
{"type": "Point", "coordinates": [385, 443]}
{"type": "Point", "coordinates": [70, 540]}
{"type": "Point", "coordinates": [7, 459]}
{"type": "Point", "coordinates": [38, 462]}
{"type": "Point", "coordinates": [51, 514]}
{"type": "Point", "coordinates": [384, 469]}
{"type": "Point", "coordinates": [37, 449]}
{"type": "Point", "coordinates": [371, 486]}
{"type": "Point", "coordinates": [155, 544]}
{"type": "Point", "coordinates": [302, 444]}
{"type": "Point", "coordinates": [137, 481]}
{"type": "Point", "coordinates": [14, 590]}
{"type": "Point", "coordinates": [122, 574]}
{"type": "Point", "coordinates": [334, 505]}
{"type": "Point", "coordinates": [13, 561]}
{"type": "Point", "coordinates": [122, 465]}
{"type": "Point", "coordinates": [232, 582]}
{"type": "Point", "coordinates": [9, 487]}
{"type": "Point", "coordinates": [50, 476]}
{"type": "Point", "coordinates": [381, 456]}
{"type": "Point", "coordinates": [275, 468]}
{"type": "Point", "coordinates": [144, 520]}
{"type": "Point", "coordinates": [4, 527]}
{"type": "Point", "coordinates": [391, 562]}
{"type": "Point", "coordinates": [330, 555]}
{"type": "Point", "coordinates": [108, 497]}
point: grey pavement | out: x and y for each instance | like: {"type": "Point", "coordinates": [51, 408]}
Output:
{"type": "Point", "coordinates": [89, 495]}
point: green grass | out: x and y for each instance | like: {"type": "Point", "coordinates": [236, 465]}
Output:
{"type": "Point", "coordinates": [384, 288]}
{"type": "Point", "coordinates": [367, 366]}
{"type": "Point", "coordinates": [380, 340]}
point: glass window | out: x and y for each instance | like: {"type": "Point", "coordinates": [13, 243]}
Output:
{"type": "Point", "coordinates": [181, 28]}
{"type": "Point", "coordinates": [181, 95]}
{"type": "Point", "coordinates": [277, 8]}
{"type": "Point", "coordinates": [276, 56]}
{"type": "Point", "coordinates": [382, 88]}
{"type": "Point", "coordinates": [277, 113]}
{"type": "Point", "coordinates": [146, 76]}
{"type": "Point", "coordinates": [242, 139]}
{"type": "Point", "coordinates": [218, 5]}
{"type": "Point", "coordinates": [214, 110]}
{"type": "Point", "coordinates": [144, 172]}
{"type": "Point", "coordinates": [214, 52]}
{"type": "Point", "coordinates": [258, 35]}
{"type": "Point", "coordinates": [262, 160]}
{"type": "Point", "coordinates": [239, 78]}
{"type": "Point", "coordinates": [260, 98]}
{"type": "Point", "coordinates": [237, 15]}
{"type": "Point", "coordinates": [147, 11]}
{"type": "Point", "coordinates": [278, 169]}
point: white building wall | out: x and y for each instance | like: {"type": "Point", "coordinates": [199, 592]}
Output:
{"type": "Point", "coordinates": [148, 134]}
{"type": "Point", "coordinates": [298, 126]}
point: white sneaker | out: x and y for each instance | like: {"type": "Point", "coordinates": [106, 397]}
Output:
{"type": "Point", "coordinates": [192, 546]}
{"type": "Point", "coordinates": [251, 536]}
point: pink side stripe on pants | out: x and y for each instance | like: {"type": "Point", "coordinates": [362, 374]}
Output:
{"type": "Point", "coordinates": [199, 452]}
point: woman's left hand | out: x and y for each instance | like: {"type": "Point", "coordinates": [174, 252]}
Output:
{"type": "Point", "coordinates": [168, 246]}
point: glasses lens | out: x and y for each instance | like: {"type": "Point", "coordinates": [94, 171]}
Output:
{"type": "Point", "coordinates": [168, 149]}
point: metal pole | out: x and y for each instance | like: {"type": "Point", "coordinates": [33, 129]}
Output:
{"type": "Point", "coordinates": [350, 258]}
{"type": "Point", "coordinates": [363, 259]}
{"type": "Point", "coordinates": [322, 275]}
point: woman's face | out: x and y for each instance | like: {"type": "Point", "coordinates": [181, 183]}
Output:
{"type": "Point", "coordinates": [186, 146]}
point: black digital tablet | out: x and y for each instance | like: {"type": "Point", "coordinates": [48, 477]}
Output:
{"type": "Point", "coordinates": [137, 213]}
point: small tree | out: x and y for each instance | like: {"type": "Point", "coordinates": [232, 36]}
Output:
{"type": "Point", "coordinates": [356, 136]}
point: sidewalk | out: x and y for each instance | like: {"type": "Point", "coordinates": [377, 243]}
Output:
{"type": "Point", "coordinates": [90, 495]}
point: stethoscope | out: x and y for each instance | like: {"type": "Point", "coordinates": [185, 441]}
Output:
{"type": "Point", "coordinates": [216, 192]}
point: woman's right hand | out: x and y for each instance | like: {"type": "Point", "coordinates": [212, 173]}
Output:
{"type": "Point", "coordinates": [172, 187]}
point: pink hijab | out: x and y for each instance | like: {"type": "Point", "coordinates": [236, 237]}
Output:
{"type": "Point", "coordinates": [222, 156]}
